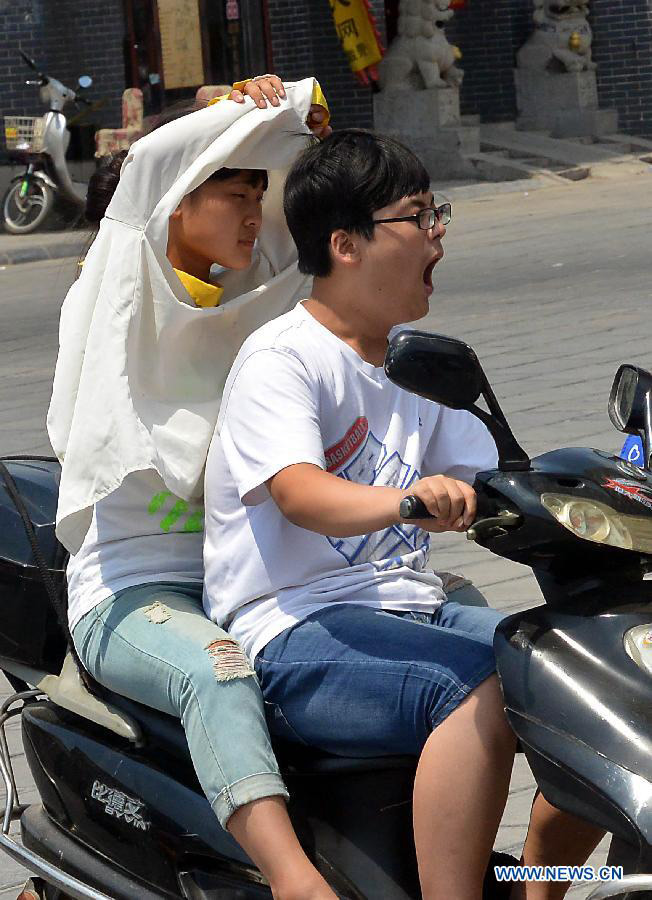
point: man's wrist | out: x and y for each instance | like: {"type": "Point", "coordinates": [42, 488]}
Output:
{"type": "Point", "coordinates": [398, 495]}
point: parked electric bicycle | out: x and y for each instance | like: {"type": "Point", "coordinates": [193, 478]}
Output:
{"type": "Point", "coordinates": [120, 810]}
{"type": "Point", "coordinates": [40, 143]}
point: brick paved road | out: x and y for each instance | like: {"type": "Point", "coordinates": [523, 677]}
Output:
{"type": "Point", "coordinates": [552, 290]}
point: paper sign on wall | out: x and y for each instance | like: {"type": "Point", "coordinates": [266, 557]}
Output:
{"type": "Point", "coordinates": [181, 45]}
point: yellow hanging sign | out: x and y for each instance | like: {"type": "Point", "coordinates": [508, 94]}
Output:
{"type": "Point", "coordinates": [356, 33]}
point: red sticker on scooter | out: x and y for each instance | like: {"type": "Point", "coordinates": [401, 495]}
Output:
{"type": "Point", "coordinates": [629, 489]}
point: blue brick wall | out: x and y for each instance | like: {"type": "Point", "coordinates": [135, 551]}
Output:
{"type": "Point", "coordinates": [622, 48]}
{"type": "Point", "coordinates": [71, 37]}
{"type": "Point", "coordinates": [489, 32]}
{"type": "Point", "coordinates": [304, 42]}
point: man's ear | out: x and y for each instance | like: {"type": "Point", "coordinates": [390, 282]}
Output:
{"type": "Point", "coordinates": [344, 247]}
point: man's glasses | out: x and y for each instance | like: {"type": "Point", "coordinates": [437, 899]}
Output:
{"type": "Point", "coordinates": [425, 218]}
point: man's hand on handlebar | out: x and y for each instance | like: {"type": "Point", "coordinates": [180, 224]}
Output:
{"type": "Point", "coordinates": [323, 502]}
{"type": "Point", "coordinates": [450, 502]}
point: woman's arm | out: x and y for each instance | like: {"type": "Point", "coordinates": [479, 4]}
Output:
{"type": "Point", "coordinates": [266, 89]}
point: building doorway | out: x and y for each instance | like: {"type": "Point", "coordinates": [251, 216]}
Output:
{"type": "Point", "coordinates": [175, 46]}
{"type": "Point", "coordinates": [391, 19]}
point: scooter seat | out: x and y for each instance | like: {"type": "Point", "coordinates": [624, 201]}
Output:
{"type": "Point", "coordinates": [165, 733]}
{"type": "Point", "coordinates": [158, 728]}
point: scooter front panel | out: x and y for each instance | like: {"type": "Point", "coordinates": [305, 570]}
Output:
{"type": "Point", "coordinates": [572, 691]}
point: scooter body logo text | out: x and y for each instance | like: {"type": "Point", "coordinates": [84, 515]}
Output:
{"type": "Point", "coordinates": [629, 489]}
{"type": "Point", "coordinates": [120, 806]}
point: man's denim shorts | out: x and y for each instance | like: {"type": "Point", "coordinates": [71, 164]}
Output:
{"type": "Point", "coordinates": [356, 681]}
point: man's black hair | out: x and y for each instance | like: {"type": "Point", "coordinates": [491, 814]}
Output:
{"type": "Point", "coordinates": [340, 183]}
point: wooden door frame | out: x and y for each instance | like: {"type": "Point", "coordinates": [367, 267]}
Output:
{"type": "Point", "coordinates": [153, 48]}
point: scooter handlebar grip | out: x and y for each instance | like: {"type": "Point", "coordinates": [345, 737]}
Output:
{"type": "Point", "coordinates": [413, 508]}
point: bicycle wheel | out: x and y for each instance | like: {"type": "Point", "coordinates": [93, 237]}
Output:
{"type": "Point", "coordinates": [23, 215]}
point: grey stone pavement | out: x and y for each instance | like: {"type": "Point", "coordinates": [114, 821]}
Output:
{"type": "Point", "coordinates": [42, 245]}
{"type": "Point", "coordinates": [552, 288]}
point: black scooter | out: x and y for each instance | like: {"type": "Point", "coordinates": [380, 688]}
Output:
{"type": "Point", "coordinates": [121, 813]}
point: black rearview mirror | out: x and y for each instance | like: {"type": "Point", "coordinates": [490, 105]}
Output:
{"type": "Point", "coordinates": [447, 371]}
{"type": "Point", "coordinates": [627, 398]}
{"type": "Point", "coordinates": [630, 405]}
{"type": "Point", "coordinates": [436, 367]}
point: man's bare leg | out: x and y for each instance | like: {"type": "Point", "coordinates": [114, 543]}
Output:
{"type": "Point", "coordinates": [554, 838]}
{"type": "Point", "coordinates": [460, 793]}
{"type": "Point", "coordinates": [263, 829]}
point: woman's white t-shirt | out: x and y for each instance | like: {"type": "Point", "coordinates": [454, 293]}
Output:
{"type": "Point", "coordinates": [140, 533]}
{"type": "Point", "coordinates": [298, 394]}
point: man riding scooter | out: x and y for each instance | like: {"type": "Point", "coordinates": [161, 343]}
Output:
{"type": "Point", "coordinates": [307, 557]}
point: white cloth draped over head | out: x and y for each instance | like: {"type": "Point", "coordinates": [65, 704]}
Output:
{"type": "Point", "coordinates": [141, 369]}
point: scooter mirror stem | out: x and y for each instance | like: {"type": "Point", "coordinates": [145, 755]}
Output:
{"type": "Point", "coordinates": [511, 456]}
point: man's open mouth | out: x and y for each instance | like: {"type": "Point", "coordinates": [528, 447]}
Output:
{"type": "Point", "coordinates": [427, 272]}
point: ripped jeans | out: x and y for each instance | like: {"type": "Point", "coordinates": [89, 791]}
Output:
{"type": "Point", "coordinates": [154, 644]}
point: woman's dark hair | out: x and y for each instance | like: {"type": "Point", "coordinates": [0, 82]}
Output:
{"type": "Point", "coordinates": [103, 183]}
{"type": "Point", "coordinates": [340, 183]}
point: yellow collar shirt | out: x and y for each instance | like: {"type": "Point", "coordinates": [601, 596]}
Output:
{"type": "Point", "coordinates": [204, 293]}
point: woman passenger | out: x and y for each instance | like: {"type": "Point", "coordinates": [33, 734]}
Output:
{"type": "Point", "coordinates": [146, 340]}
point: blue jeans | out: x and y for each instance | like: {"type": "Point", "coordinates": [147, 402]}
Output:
{"type": "Point", "coordinates": [154, 644]}
{"type": "Point", "coordinates": [355, 681]}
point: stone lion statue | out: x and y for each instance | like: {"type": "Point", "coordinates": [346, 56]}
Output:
{"type": "Point", "coordinates": [421, 56]}
{"type": "Point", "coordinates": [562, 39]}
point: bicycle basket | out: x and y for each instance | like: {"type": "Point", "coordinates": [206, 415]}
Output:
{"type": "Point", "coordinates": [24, 133]}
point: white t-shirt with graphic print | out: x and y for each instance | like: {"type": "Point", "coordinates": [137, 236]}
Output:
{"type": "Point", "coordinates": [298, 394]}
{"type": "Point", "coordinates": [140, 533]}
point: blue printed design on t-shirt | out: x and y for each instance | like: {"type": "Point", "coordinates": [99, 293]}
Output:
{"type": "Point", "coordinates": [398, 545]}
{"type": "Point", "coordinates": [362, 469]}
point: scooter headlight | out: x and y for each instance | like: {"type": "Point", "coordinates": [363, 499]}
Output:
{"type": "Point", "coordinates": [589, 520]}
